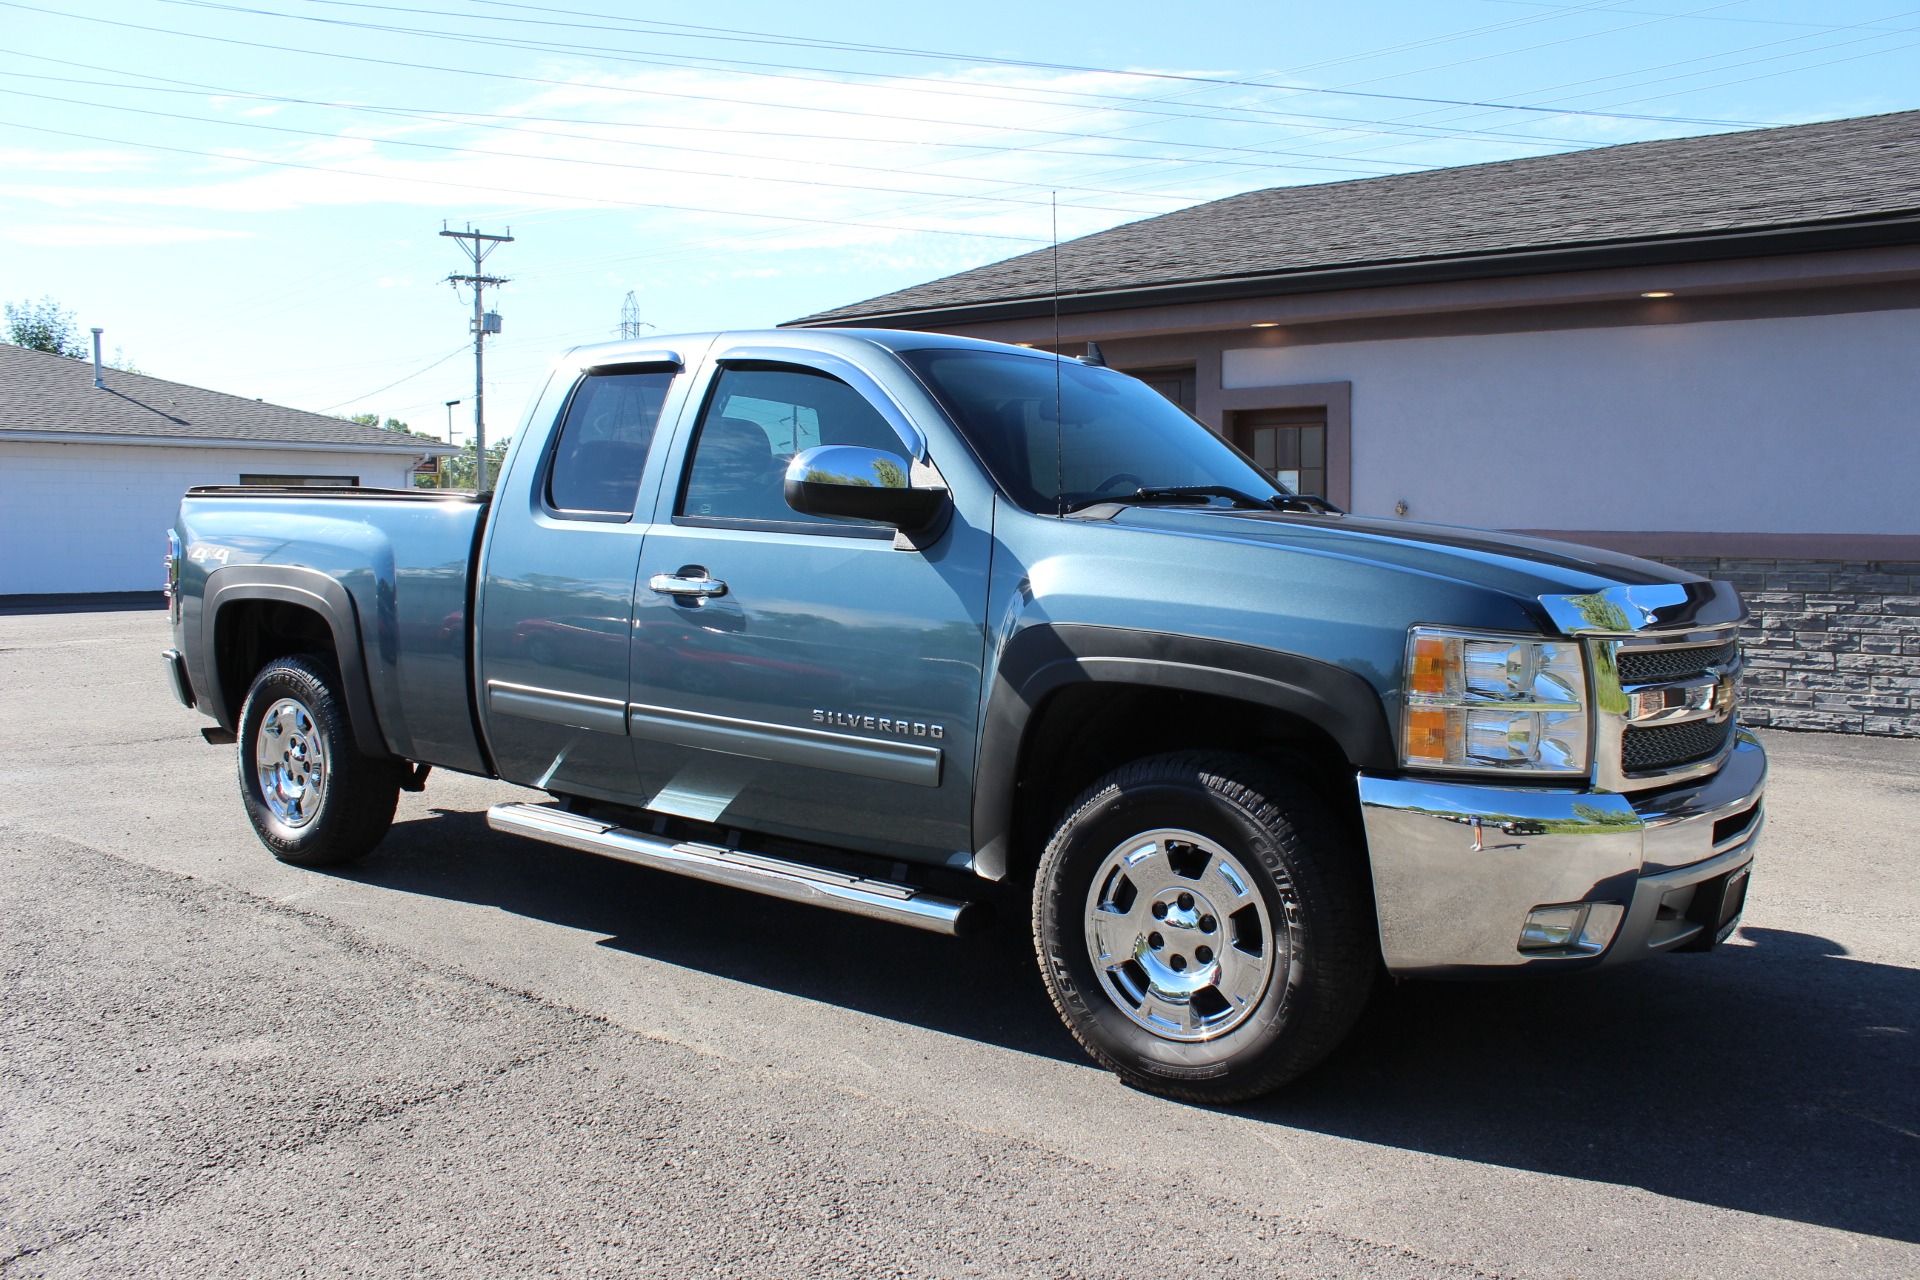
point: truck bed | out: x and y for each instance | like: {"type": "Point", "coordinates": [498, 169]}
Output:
{"type": "Point", "coordinates": [404, 558]}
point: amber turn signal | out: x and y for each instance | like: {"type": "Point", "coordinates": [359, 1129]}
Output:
{"type": "Point", "coordinates": [1426, 730]}
{"type": "Point", "coordinates": [1429, 673]}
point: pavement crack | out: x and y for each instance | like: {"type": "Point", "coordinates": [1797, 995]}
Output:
{"type": "Point", "coordinates": [352, 1122]}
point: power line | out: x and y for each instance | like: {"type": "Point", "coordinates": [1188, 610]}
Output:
{"type": "Point", "coordinates": [1765, 22]}
{"type": "Point", "coordinates": [1343, 123]}
{"type": "Point", "coordinates": [484, 119]}
{"type": "Point", "coordinates": [1351, 123]}
{"type": "Point", "coordinates": [557, 159]}
{"type": "Point", "coordinates": [1337, 123]}
{"type": "Point", "coordinates": [1830, 30]}
{"type": "Point", "coordinates": [572, 197]}
{"type": "Point", "coordinates": [974, 59]}
{"type": "Point", "coordinates": [397, 381]}
{"type": "Point", "coordinates": [1588, 9]}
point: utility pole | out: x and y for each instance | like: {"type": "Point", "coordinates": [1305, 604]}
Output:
{"type": "Point", "coordinates": [442, 469]}
{"type": "Point", "coordinates": [477, 246]}
{"type": "Point", "coordinates": [630, 322]}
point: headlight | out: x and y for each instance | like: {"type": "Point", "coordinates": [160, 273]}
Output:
{"type": "Point", "coordinates": [1494, 702]}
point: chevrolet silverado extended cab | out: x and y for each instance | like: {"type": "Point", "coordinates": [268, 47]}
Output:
{"type": "Point", "coordinates": [869, 619]}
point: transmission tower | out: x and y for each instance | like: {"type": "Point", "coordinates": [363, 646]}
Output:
{"type": "Point", "coordinates": [630, 322]}
{"type": "Point", "coordinates": [477, 246]}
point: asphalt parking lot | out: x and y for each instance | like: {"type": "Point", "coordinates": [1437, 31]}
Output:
{"type": "Point", "coordinates": [474, 1056]}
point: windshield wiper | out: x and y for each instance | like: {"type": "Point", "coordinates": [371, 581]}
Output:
{"type": "Point", "coordinates": [1189, 492]}
{"type": "Point", "coordinates": [1168, 493]}
{"type": "Point", "coordinates": [1311, 503]}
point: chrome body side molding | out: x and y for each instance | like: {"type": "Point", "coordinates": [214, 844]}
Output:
{"type": "Point", "coordinates": [775, 877]}
{"type": "Point", "coordinates": [552, 706]}
{"type": "Point", "coordinates": [908, 762]}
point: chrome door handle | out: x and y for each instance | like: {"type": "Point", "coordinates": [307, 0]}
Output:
{"type": "Point", "coordinates": [694, 584]}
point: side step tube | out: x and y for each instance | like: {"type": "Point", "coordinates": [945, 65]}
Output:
{"type": "Point", "coordinates": [775, 877]}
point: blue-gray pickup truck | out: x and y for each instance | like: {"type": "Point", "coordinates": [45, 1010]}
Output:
{"type": "Point", "coordinates": [873, 619]}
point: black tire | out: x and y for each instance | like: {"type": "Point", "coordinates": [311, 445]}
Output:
{"type": "Point", "coordinates": [1321, 956]}
{"type": "Point", "coordinates": [349, 806]}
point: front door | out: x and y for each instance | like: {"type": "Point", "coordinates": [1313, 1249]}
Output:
{"type": "Point", "coordinates": [825, 683]}
{"type": "Point", "coordinates": [557, 590]}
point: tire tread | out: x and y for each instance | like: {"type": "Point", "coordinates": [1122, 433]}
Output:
{"type": "Point", "coordinates": [362, 791]}
{"type": "Point", "coordinates": [1324, 870]}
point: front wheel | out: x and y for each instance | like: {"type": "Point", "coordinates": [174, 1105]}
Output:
{"type": "Point", "coordinates": [1203, 927]}
{"type": "Point", "coordinates": [312, 797]}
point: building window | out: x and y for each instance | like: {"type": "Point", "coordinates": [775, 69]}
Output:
{"type": "Point", "coordinates": [1176, 385]}
{"type": "Point", "coordinates": [300, 482]}
{"type": "Point", "coordinates": [1288, 444]}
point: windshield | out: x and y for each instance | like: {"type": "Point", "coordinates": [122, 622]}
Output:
{"type": "Point", "coordinates": [1116, 435]}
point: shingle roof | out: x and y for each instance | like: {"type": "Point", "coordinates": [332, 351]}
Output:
{"type": "Point", "coordinates": [45, 393]}
{"type": "Point", "coordinates": [1829, 174]}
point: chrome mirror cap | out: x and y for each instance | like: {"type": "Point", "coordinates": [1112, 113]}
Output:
{"type": "Point", "coordinates": [850, 482]}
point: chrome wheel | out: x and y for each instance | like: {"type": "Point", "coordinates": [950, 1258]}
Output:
{"type": "Point", "coordinates": [290, 759]}
{"type": "Point", "coordinates": [1179, 935]}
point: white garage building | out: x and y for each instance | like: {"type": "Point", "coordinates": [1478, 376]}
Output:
{"type": "Point", "coordinates": [91, 477]}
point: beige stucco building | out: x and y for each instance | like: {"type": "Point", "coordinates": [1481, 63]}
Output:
{"type": "Point", "coordinates": [1704, 350]}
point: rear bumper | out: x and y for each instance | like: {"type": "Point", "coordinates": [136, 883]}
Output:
{"type": "Point", "coordinates": [177, 677]}
{"type": "Point", "coordinates": [1457, 867]}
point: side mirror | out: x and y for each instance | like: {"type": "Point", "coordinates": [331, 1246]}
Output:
{"type": "Point", "coordinates": [848, 482]}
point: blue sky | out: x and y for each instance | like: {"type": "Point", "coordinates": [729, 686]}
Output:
{"type": "Point", "coordinates": [247, 195]}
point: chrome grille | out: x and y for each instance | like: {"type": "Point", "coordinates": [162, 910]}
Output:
{"type": "Point", "coordinates": [1667, 746]}
{"type": "Point", "coordinates": [1663, 708]}
{"type": "Point", "coordinates": [1644, 666]}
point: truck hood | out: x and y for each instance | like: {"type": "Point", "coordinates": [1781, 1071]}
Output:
{"type": "Point", "coordinates": [1538, 571]}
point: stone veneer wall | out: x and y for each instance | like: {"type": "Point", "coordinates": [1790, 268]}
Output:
{"type": "Point", "coordinates": [1831, 644]}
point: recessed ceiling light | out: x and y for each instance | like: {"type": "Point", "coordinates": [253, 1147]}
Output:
{"type": "Point", "coordinates": [1028, 345]}
{"type": "Point", "coordinates": [1266, 324]}
{"type": "Point", "coordinates": [1657, 293]}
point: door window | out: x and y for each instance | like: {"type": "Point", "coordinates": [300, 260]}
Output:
{"type": "Point", "coordinates": [602, 445]}
{"type": "Point", "coordinates": [756, 420]}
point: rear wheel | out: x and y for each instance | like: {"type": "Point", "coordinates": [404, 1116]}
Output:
{"type": "Point", "coordinates": [1202, 926]}
{"type": "Point", "coordinates": [312, 797]}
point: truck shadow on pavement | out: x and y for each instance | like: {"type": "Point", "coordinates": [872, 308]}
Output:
{"type": "Point", "coordinates": [1774, 1076]}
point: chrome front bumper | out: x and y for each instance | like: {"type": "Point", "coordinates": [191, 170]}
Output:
{"type": "Point", "coordinates": [1457, 867]}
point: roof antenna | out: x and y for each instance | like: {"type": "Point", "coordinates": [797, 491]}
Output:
{"type": "Point", "coordinates": [1059, 427]}
{"type": "Point", "coordinates": [1094, 356]}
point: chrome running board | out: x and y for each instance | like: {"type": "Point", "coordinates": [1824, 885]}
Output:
{"type": "Point", "coordinates": [758, 873]}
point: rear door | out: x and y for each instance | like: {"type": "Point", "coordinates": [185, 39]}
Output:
{"type": "Point", "coordinates": [828, 688]}
{"type": "Point", "coordinates": [556, 593]}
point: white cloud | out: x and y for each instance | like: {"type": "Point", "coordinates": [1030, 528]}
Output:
{"type": "Point", "coordinates": [877, 155]}
{"type": "Point", "coordinates": [76, 161]}
{"type": "Point", "coordinates": [67, 235]}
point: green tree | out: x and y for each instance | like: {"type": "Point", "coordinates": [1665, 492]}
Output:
{"type": "Point", "coordinates": [45, 326]}
{"type": "Point", "coordinates": [457, 472]}
{"type": "Point", "coordinates": [391, 424]}
{"type": "Point", "coordinates": [460, 467]}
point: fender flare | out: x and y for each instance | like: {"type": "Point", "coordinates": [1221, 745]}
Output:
{"type": "Point", "coordinates": [309, 589]}
{"type": "Point", "coordinates": [1045, 658]}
